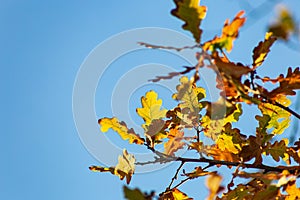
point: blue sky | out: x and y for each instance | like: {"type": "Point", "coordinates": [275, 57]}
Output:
{"type": "Point", "coordinates": [43, 44]}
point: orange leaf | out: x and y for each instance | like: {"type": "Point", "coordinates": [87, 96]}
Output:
{"type": "Point", "coordinates": [175, 142]}
{"type": "Point", "coordinates": [229, 34]}
{"type": "Point", "coordinates": [174, 194]}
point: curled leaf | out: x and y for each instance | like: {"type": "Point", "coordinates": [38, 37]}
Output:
{"type": "Point", "coordinates": [124, 168]}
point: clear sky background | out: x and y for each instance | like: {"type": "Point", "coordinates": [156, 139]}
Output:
{"type": "Point", "coordinates": [43, 44]}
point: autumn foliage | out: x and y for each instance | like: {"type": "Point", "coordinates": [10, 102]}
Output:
{"type": "Point", "coordinates": [239, 86]}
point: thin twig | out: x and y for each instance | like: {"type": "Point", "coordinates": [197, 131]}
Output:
{"type": "Point", "coordinates": [181, 182]}
{"type": "Point", "coordinates": [175, 176]}
{"type": "Point", "coordinates": [287, 109]}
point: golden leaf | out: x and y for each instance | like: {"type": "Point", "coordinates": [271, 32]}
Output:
{"type": "Point", "coordinates": [151, 108]}
{"type": "Point", "coordinates": [213, 183]}
{"type": "Point", "coordinates": [229, 34]}
{"type": "Point", "coordinates": [121, 129]}
{"type": "Point", "coordinates": [174, 194]}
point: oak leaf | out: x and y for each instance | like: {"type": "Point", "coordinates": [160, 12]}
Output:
{"type": "Point", "coordinates": [261, 51]}
{"type": "Point", "coordinates": [124, 168]}
{"type": "Point", "coordinates": [174, 143]}
{"type": "Point", "coordinates": [151, 108]}
{"type": "Point", "coordinates": [213, 183]}
{"type": "Point", "coordinates": [229, 34]}
{"type": "Point", "coordinates": [192, 14]}
{"type": "Point", "coordinates": [121, 129]}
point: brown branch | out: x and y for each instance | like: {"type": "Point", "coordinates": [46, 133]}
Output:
{"type": "Point", "coordinates": [291, 169]}
{"type": "Point", "coordinates": [151, 46]}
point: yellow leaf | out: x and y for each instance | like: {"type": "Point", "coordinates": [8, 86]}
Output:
{"type": "Point", "coordinates": [229, 34]}
{"type": "Point", "coordinates": [192, 14]}
{"type": "Point", "coordinates": [218, 115]}
{"type": "Point", "coordinates": [189, 95]}
{"type": "Point", "coordinates": [293, 191]}
{"type": "Point", "coordinates": [121, 129]}
{"type": "Point", "coordinates": [279, 118]}
{"type": "Point", "coordinates": [151, 108]}
{"type": "Point", "coordinates": [225, 142]}
{"type": "Point", "coordinates": [261, 51]}
{"type": "Point", "coordinates": [174, 194]}
{"type": "Point", "coordinates": [124, 168]}
{"type": "Point", "coordinates": [213, 183]}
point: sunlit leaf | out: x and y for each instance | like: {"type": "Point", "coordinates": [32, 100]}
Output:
{"type": "Point", "coordinates": [261, 130]}
{"type": "Point", "coordinates": [213, 183]}
{"type": "Point", "coordinates": [218, 115]}
{"type": "Point", "coordinates": [121, 129]}
{"type": "Point", "coordinates": [261, 51]}
{"type": "Point", "coordinates": [225, 142]}
{"type": "Point", "coordinates": [124, 168]}
{"type": "Point", "coordinates": [241, 192]}
{"type": "Point", "coordinates": [293, 191]}
{"type": "Point", "coordinates": [192, 14]}
{"type": "Point", "coordinates": [189, 95]}
{"type": "Point", "coordinates": [151, 108]}
{"type": "Point", "coordinates": [279, 118]}
{"type": "Point", "coordinates": [229, 34]}
{"type": "Point", "coordinates": [174, 194]}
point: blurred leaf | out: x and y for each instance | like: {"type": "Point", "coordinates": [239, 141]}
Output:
{"type": "Point", "coordinates": [124, 168]}
{"type": "Point", "coordinates": [192, 14]}
{"type": "Point", "coordinates": [261, 51]}
{"type": "Point", "coordinates": [293, 191]}
{"type": "Point", "coordinates": [134, 194]}
{"type": "Point", "coordinates": [271, 192]}
{"type": "Point", "coordinates": [121, 129]}
{"type": "Point", "coordinates": [213, 183]}
{"type": "Point", "coordinates": [229, 33]}
{"type": "Point", "coordinates": [284, 25]}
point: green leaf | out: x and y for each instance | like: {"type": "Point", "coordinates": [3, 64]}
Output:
{"type": "Point", "coordinates": [133, 194]}
{"type": "Point", "coordinates": [192, 14]}
{"type": "Point", "coordinates": [121, 129]}
{"type": "Point", "coordinates": [276, 150]}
